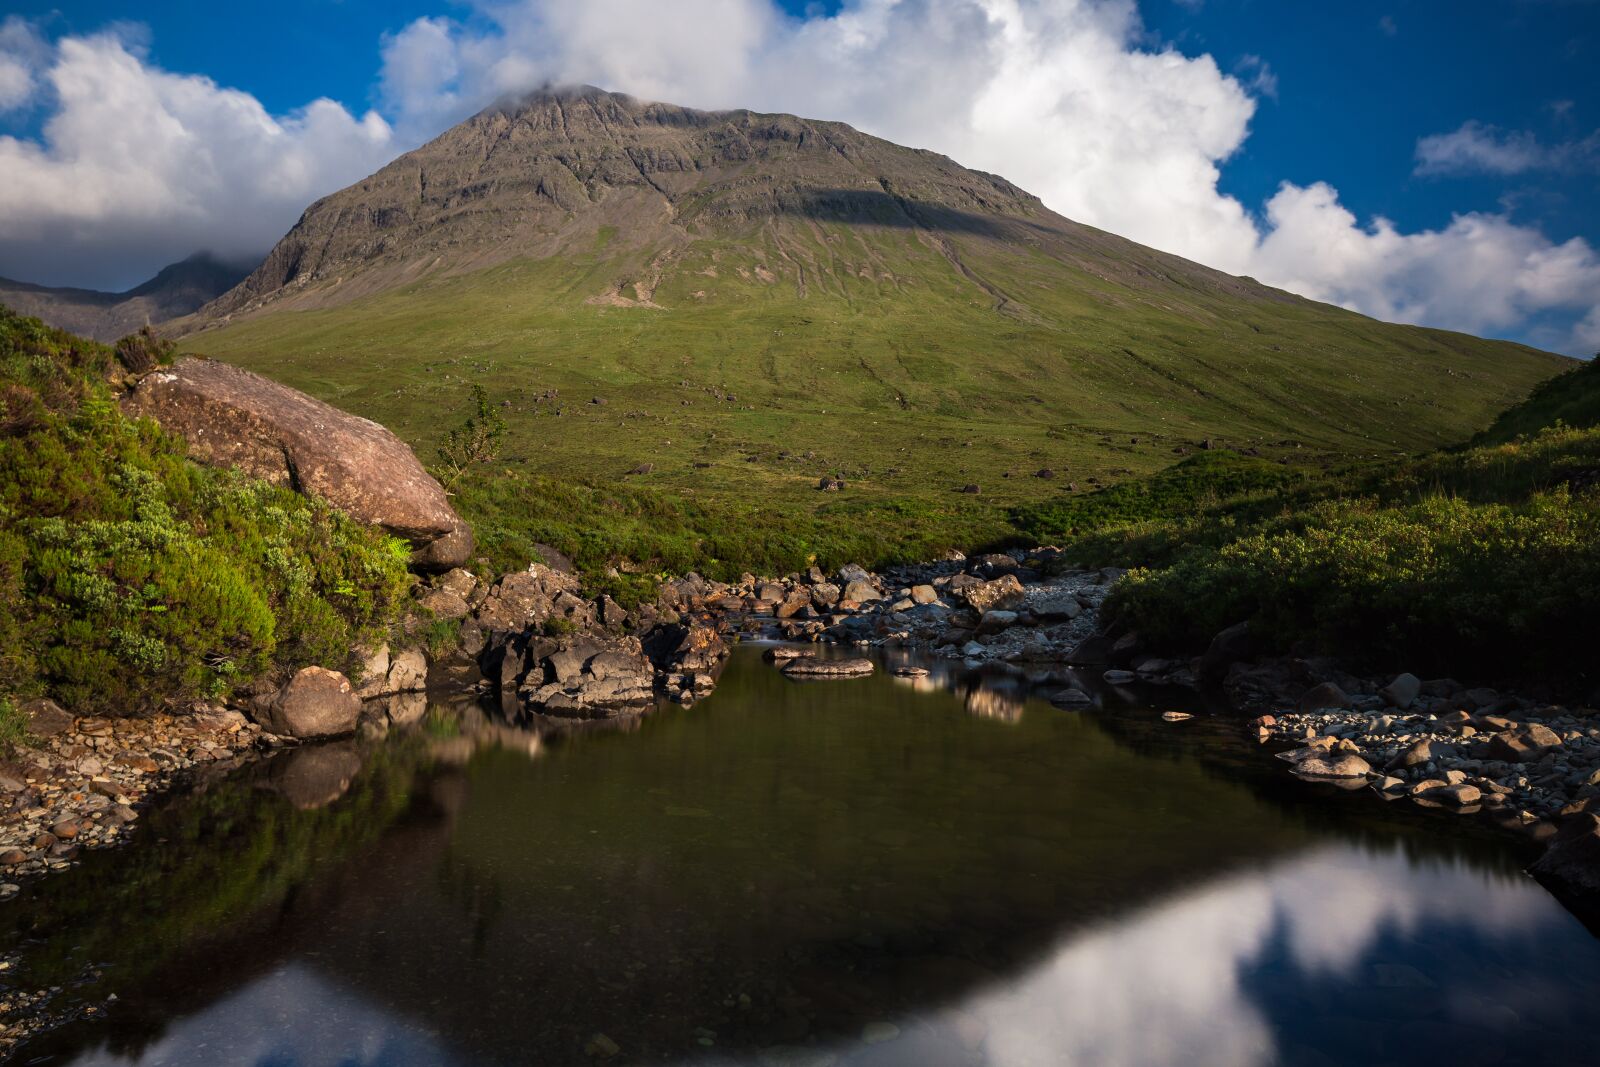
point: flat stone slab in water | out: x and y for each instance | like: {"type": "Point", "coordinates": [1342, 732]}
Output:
{"type": "Point", "coordinates": [783, 655]}
{"type": "Point", "coordinates": [829, 668]}
{"type": "Point", "coordinates": [911, 672]}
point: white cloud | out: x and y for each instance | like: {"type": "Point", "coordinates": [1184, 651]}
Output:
{"type": "Point", "coordinates": [22, 53]}
{"type": "Point", "coordinates": [138, 167]}
{"type": "Point", "coordinates": [1258, 74]}
{"type": "Point", "coordinates": [1482, 273]}
{"type": "Point", "coordinates": [1065, 97]}
{"type": "Point", "coordinates": [1477, 148]}
{"type": "Point", "coordinates": [1586, 334]}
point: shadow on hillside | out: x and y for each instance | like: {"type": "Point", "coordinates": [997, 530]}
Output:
{"type": "Point", "coordinates": [875, 207]}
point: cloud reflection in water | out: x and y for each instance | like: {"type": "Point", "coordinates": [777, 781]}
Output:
{"type": "Point", "coordinates": [1194, 979]}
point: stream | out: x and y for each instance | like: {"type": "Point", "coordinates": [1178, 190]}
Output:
{"type": "Point", "coordinates": [934, 871]}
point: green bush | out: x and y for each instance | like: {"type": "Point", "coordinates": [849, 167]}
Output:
{"type": "Point", "coordinates": [13, 726]}
{"type": "Point", "coordinates": [1502, 590]}
{"type": "Point", "coordinates": [1203, 480]}
{"type": "Point", "coordinates": [621, 536]}
{"type": "Point", "coordinates": [136, 576]}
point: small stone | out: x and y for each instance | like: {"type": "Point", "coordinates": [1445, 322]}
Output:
{"type": "Point", "coordinates": [1176, 716]}
{"type": "Point", "coordinates": [1460, 795]}
{"type": "Point", "coordinates": [1403, 691]}
{"type": "Point", "coordinates": [66, 829]}
{"type": "Point", "coordinates": [876, 1033]}
{"type": "Point", "coordinates": [1321, 697]}
{"type": "Point", "coordinates": [12, 856]}
{"type": "Point", "coordinates": [602, 1047]}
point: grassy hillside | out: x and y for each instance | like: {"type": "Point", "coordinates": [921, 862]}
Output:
{"type": "Point", "coordinates": [1483, 563]}
{"type": "Point", "coordinates": [734, 305]}
{"type": "Point", "coordinates": [1572, 399]}
{"type": "Point", "coordinates": [130, 576]}
{"type": "Point", "coordinates": [742, 398]}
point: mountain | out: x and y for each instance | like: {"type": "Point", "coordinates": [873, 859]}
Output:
{"type": "Point", "coordinates": [176, 291]}
{"type": "Point", "coordinates": [745, 302]}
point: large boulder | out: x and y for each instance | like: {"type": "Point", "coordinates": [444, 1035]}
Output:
{"type": "Point", "coordinates": [1528, 744]}
{"type": "Point", "coordinates": [1001, 594]}
{"type": "Point", "coordinates": [1572, 860]}
{"type": "Point", "coordinates": [317, 702]}
{"type": "Point", "coordinates": [1229, 646]}
{"type": "Point", "coordinates": [233, 418]}
{"type": "Point", "coordinates": [46, 718]}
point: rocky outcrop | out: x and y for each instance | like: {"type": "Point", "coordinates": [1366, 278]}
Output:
{"type": "Point", "coordinates": [586, 677]}
{"type": "Point", "coordinates": [233, 418]}
{"type": "Point", "coordinates": [551, 652]}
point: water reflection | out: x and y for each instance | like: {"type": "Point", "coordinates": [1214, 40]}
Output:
{"type": "Point", "coordinates": [1215, 976]}
{"type": "Point", "coordinates": [857, 872]}
{"type": "Point", "coordinates": [1259, 968]}
{"type": "Point", "coordinates": [994, 702]}
{"type": "Point", "coordinates": [291, 1017]}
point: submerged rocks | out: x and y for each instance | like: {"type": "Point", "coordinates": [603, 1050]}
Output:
{"type": "Point", "coordinates": [316, 702]}
{"type": "Point", "coordinates": [233, 418]}
{"type": "Point", "coordinates": [1572, 860]}
{"type": "Point", "coordinates": [828, 668]}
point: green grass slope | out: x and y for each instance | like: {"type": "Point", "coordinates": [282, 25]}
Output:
{"type": "Point", "coordinates": [1482, 563]}
{"type": "Point", "coordinates": [742, 394]}
{"type": "Point", "coordinates": [745, 303]}
{"type": "Point", "coordinates": [1572, 399]}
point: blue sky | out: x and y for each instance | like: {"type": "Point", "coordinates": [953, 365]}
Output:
{"type": "Point", "coordinates": [1418, 112]}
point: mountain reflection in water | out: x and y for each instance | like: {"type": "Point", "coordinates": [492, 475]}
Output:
{"type": "Point", "coordinates": [923, 872]}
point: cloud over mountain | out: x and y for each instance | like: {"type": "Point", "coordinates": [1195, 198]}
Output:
{"type": "Point", "coordinates": [1068, 98]}
{"type": "Point", "coordinates": [137, 167]}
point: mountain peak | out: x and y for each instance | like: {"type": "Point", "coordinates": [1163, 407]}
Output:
{"type": "Point", "coordinates": [550, 172]}
{"type": "Point", "coordinates": [177, 289]}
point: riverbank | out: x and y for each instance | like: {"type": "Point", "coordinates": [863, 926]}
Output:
{"type": "Point", "coordinates": [1530, 767]}
{"type": "Point", "coordinates": [85, 782]}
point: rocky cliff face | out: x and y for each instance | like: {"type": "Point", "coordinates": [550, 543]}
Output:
{"type": "Point", "coordinates": [582, 171]}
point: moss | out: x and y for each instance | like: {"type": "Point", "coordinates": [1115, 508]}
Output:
{"type": "Point", "coordinates": [556, 626]}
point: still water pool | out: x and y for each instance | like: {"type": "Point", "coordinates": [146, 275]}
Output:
{"type": "Point", "coordinates": [857, 872]}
